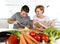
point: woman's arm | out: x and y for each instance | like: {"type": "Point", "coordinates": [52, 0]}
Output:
{"type": "Point", "coordinates": [52, 24]}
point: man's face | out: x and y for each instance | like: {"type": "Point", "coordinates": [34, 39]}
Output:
{"type": "Point", "coordinates": [24, 14]}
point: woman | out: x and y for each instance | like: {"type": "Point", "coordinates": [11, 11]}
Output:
{"type": "Point", "coordinates": [39, 18]}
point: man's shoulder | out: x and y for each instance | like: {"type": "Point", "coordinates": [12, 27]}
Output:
{"type": "Point", "coordinates": [17, 13]}
{"type": "Point", "coordinates": [28, 16]}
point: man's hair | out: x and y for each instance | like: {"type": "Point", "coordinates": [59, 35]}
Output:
{"type": "Point", "coordinates": [41, 7]}
{"type": "Point", "coordinates": [25, 8]}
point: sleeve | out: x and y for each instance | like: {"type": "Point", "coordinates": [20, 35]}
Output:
{"type": "Point", "coordinates": [29, 18]}
{"type": "Point", "coordinates": [13, 17]}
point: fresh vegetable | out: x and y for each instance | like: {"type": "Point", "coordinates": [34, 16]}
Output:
{"type": "Point", "coordinates": [29, 40]}
{"type": "Point", "coordinates": [23, 39]}
{"type": "Point", "coordinates": [20, 42]}
{"type": "Point", "coordinates": [53, 34]}
{"type": "Point", "coordinates": [30, 37]}
{"type": "Point", "coordinates": [32, 33]}
{"type": "Point", "coordinates": [41, 34]}
{"type": "Point", "coordinates": [12, 40]}
{"type": "Point", "coordinates": [38, 38]}
{"type": "Point", "coordinates": [15, 32]}
{"type": "Point", "coordinates": [45, 38]}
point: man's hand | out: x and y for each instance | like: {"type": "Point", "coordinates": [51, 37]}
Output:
{"type": "Point", "coordinates": [28, 26]}
{"type": "Point", "coordinates": [16, 22]}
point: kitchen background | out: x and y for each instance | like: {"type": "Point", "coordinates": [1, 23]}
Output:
{"type": "Point", "coordinates": [9, 7]}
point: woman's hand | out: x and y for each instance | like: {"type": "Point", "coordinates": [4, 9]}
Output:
{"type": "Point", "coordinates": [52, 24]}
{"type": "Point", "coordinates": [39, 29]}
{"type": "Point", "coordinates": [35, 21]}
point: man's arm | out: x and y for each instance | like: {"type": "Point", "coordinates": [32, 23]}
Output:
{"type": "Point", "coordinates": [13, 21]}
{"type": "Point", "coordinates": [10, 21]}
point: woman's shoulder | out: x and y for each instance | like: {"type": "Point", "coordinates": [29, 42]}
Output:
{"type": "Point", "coordinates": [47, 18]}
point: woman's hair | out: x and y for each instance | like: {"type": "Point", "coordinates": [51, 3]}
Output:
{"type": "Point", "coordinates": [25, 8]}
{"type": "Point", "coordinates": [41, 7]}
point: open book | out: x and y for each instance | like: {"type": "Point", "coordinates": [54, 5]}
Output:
{"type": "Point", "coordinates": [40, 25]}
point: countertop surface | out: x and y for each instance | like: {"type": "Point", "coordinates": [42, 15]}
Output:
{"type": "Point", "coordinates": [2, 42]}
{"type": "Point", "coordinates": [4, 29]}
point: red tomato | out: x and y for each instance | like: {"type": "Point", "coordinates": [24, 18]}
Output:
{"type": "Point", "coordinates": [12, 40]}
{"type": "Point", "coordinates": [38, 38]}
{"type": "Point", "coordinates": [40, 34]}
{"type": "Point", "coordinates": [32, 33]}
{"type": "Point", "coordinates": [45, 38]}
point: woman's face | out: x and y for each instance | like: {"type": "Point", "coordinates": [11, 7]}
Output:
{"type": "Point", "coordinates": [39, 12]}
{"type": "Point", "coordinates": [24, 14]}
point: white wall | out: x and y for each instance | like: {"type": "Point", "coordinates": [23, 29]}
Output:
{"type": "Point", "coordinates": [12, 6]}
{"type": "Point", "coordinates": [3, 9]}
{"type": "Point", "coordinates": [9, 7]}
{"type": "Point", "coordinates": [54, 9]}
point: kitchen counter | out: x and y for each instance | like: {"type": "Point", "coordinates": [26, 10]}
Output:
{"type": "Point", "coordinates": [2, 42]}
{"type": "Point", "coordinates": [5, 29]}
{"type": "Point", "coordinates": [1, 29]}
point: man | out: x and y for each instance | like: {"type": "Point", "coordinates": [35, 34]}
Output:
{"type": "Point", "coordinates": [20, 19]}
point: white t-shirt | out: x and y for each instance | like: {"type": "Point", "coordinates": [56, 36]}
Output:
{"type": "Point", "coordinates": [41, 20]}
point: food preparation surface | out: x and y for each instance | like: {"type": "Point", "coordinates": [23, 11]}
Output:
{"type": "Point", "coordinates": [2, 42]}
